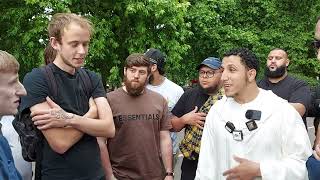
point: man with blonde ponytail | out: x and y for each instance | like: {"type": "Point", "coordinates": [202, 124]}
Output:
{"type": "Point", "coordinates": [66, 118]}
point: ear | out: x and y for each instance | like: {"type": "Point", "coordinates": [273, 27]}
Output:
{"type": "Point", "coordinates": [154, 67]}
{"type": "Point", "coordinates": [252, 73]}
{"type": "Point", "coordinates": [125, 71]}
{"type": "Point", "coordinates": [287, 62]}
{"type": "Point", "coordinates": [54, 43]}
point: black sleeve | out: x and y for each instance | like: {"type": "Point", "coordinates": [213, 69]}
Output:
{"type": "Point", "coordinates": [98, 89]}
{"type": "Point", "coordinates": [301, 94]}
{"type": "Point", "coordinates": [36, 87]}
{"type": "Point", "coordinates": [314, 110]}
{"type": "Point", "coordinates": [179, 108]}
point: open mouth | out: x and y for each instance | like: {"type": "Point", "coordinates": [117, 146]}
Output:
{"type": "Point", "coordinates": [17, 102]}
{"type": "Point", "coordinates": [272, 67]}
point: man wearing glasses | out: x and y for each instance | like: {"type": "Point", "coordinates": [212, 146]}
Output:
{"type": "Point", "coordinates": [191, 110]}
{"type": "Point", "coordinates": [313, 163]}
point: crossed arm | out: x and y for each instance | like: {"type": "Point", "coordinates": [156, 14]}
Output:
{"type": "Point", "coordinates": [62, 129]}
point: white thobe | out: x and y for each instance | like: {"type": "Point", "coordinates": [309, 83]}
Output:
{"type": "Point", "coordinates": [280, 144]}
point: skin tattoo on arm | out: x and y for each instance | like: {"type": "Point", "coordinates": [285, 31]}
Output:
{"type": "Point", "coordinates": [61, 114]}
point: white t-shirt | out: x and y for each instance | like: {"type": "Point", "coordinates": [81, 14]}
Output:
{"type": "Point", "coordinates": [169, 90]}
{"type": "Point", "coordinates": [172, 93]}
{"type": "Point", "coordinates": [24, 167]}
{"type": "Point", "coordinates": [280, 143]}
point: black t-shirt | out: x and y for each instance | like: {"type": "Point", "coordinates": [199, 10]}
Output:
{"type": "Point", "coordinates": [291, 89]}
{"type": "Point", "coordinates": [189, 99]}
{"type": "Point", "coordinates": [82, 160]}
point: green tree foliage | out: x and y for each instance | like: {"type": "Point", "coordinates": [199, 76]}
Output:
{"type": "Point", "coordinates": [260, 25]}
{"type": "Point", "coordinates": [187, 31]}
{"type": "Point", "coordinates": [121, 28]}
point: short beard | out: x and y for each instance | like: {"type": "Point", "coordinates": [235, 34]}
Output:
{"type": "Point", "coordinates": [279, 72]}
{"type": "Point", "coordinates": [132, 91]}
{"type": "Point", "coordinates": [151, 78]}
{"type": "Point", "coordinates": [210, 90]}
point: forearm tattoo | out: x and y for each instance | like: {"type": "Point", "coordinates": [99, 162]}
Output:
{"type": "Point", "coordinates": [61, 114]}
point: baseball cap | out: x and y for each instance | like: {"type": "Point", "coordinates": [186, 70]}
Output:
{"type": "Point", "coordinates": [156, 57]}
{"type": "Point", "coordinates": [211, 62]}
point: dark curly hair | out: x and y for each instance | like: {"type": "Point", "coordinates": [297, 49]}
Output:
{"type": "Point", "coordinates": [247, 57]}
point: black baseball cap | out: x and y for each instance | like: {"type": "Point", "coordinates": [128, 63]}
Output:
{"type": "Point", "coordinates": [156, 57]}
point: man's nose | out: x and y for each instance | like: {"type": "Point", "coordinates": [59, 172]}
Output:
{"type": "Point", "coordinates": [81, 49]}
{"type": "Point", "coordinates": [21, 91]}
{"type": "Point", "coordinates": [136, 75]}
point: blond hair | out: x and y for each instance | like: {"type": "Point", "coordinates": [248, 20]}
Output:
{"type": "Point", "coordinates": [60, 21]}
{"type": "Point", "coordinates": [8, 63]}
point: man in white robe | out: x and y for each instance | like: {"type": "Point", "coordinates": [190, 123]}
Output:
{"type": "Point", "coordinates": [267, 142]}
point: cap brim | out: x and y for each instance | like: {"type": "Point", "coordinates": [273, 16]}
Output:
{"type": "Point", "coordinates": [208, 65]}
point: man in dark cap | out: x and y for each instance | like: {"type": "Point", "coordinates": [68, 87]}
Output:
{"type": "Point", "coordinates": [191, 110]}
{"type": "Point", "coordinates": [162, 85]}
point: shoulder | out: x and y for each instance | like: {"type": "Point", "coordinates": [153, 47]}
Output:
{"type": "Point", "coordinates": [115, 97]}
{"type": "Point", "coordinates": [269, 96]}
{"type": "Point", "coordinates": [35, 74]}
{"type": "Point", "coordinates": [275, 104]}
{"type": "Point", "coordinates": [154, 94]}
{"type": "Point", "coordinates": [35, 79]}
{"type": "Point", "coordinates": [296, 82]}
{"type": "Point", "coordinates": [175, 86]}
{"type": "Point", "coordinates": [262, 83]}
{"type": "Point", "coordinates": [271, 103]}
{"type": "Point", "coordinates": [114, 93]}
{"type": "Point", "coordinates": [192, 92]}
{"type": "Point", "coordinates": [93, 75]}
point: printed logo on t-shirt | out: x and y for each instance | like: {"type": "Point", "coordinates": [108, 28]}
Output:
{"type": "Point", "coordinates": [133, 117]}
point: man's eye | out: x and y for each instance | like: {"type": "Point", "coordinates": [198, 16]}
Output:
{"type": "Point", "coordinates": [74, 44]}
{"type": "Point", "coordinates": [210, 73]}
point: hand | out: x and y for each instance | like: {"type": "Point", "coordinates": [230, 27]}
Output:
{"type": "Point", "coordinates": [316, 152]}
{"type": "Point", "coordinates": [168, 178]}
{"type": "Point", "coordinates": [246, 170]}
{"type": "Point", "coordinates": [194, 118]}
{"type": "Point", "coordinates": [55, 117]}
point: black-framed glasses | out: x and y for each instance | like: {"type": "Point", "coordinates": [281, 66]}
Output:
{"type": "Point", "coordinates": [208, 74]}
{"type": "Point", "coordinates": [316, 43]}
